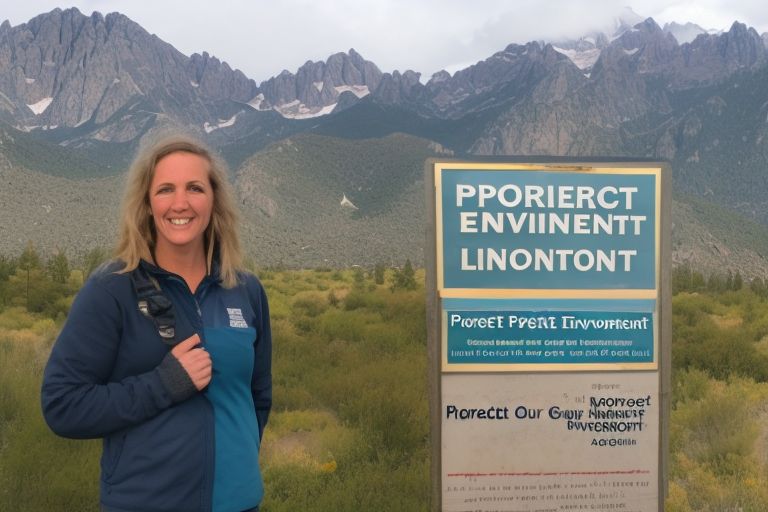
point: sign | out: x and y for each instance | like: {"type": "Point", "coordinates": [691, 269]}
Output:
{"type": "Point", "coordinates": [548, 335]}
{"type": "Point", "coordinates": [533, 442]}
{"type": "Point", "coordinates": [517, 229]}
{"type": "Point", "coordinates": [514, 339]}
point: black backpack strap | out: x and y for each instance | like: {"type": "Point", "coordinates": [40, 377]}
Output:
{"type": "Point", "coordinates": [154, 304]}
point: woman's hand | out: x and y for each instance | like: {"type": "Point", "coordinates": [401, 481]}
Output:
{"type": "Point", "coordinates": [195, 361]}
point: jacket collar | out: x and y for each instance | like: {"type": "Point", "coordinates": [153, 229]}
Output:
{"type": "Point", "coordinates": [214, 276]}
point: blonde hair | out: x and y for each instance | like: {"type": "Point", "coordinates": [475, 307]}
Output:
{"type": "Point", "coordinates": [137, 235]}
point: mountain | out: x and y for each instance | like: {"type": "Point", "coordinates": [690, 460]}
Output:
{"type": "Point", "coordinates": [316, 87]}
{"type": "Point", "coordinates": [331, 155]}
{"type": "Point", "coordinates": [701, 105]}
{"type": "Point", "coordinates": [684, 33]}
{"type": "Point", "coordinates": [108, 77]}
{"type": "Point", "coordinates": [508, 77]}
{"type": "Point", "coordinates": [585, 51]}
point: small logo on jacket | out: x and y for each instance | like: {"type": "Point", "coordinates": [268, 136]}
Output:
{"type": "Point", "coordinates": [236, 318]}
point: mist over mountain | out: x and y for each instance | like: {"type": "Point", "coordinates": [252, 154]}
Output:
{"type": "Point", "coordinates": [79, 93]}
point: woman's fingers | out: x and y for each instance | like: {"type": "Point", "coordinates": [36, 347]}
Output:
{"type": "Point", "coordinates": [195, 361]}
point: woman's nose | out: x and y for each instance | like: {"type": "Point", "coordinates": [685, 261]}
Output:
{"type": "Point", "coordinates": [180, 201]}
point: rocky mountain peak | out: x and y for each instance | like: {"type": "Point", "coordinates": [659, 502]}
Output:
{"type": "Point", "coordinates": [400, 89]}
{"type": "Point", "coordinates": [500, 78]}
{"type": "Point", "coordinates": [315, 88]}
{"type": "Point", "coordinates": [649, 25]}
{"type": "Point", "coordinates": [743, 44]}
{"type": "Point", "coordinates": [713, 57]}
{"type": "Point", "coordinates": [647, 46]}
{"type": "Point", "coordinates": [583, 52]}
{"type": "Point", "coordinates": [440, 76]}
{"type": "Point", "coordinates": [628, 27]}
{"type": "Point", "coordinates": [684, 33]}
{"type": "Point", "coordinates": [215, 79]}
{"type": "Point", "coordinates": [66, 69]}
{"type": "Point", "coordinates": [643, 33]}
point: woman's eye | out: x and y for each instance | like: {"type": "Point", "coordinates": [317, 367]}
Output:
{"type": "Point", "coordinates": [164, 190]}
{"type": "Point", "coordinates": [196, 188]}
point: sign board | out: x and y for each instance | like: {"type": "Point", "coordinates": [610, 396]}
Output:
{"type": "Point", "coordinates": [549, 331]}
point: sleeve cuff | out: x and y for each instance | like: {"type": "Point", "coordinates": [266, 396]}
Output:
{"type": "Point", "coordinates": [176, 379]}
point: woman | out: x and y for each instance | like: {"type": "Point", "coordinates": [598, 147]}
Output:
{"type": "Point", "coordinates": [166, 352]}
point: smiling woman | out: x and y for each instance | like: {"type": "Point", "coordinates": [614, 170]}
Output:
{"type": "Point", "coordinates": [184, 164]}
{"type": "Point", "coordinates": [166, 353]}
{"type": "Point", "coordinates": [181, 201]}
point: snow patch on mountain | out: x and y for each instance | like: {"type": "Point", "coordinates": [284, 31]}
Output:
{"type": "Point", "coordinates": [582, 59]}
{"type": "Point", "coordinates": [297, 110]}
{"type": "Point", "coordinates": [346, 203]}
{"type": "Point", "coordinates": [358, 90]}
{"type": "Point", "coordinates": [223, 123]}
{"type": "Point", "coordinates": [257, 101]}
{"type": "Point", "coordinates": [39, 107]}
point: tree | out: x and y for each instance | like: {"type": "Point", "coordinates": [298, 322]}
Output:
{"type": "Point", "coordinates": [685, 279]}
{"type": "Point", "coordinates": [58, 267]}
{"type": "Point", "coordinates": [738, 282]}
{"type": "Point", "coordinates": [716, 283]}
{"type": "Point", "coordinates": [7, 267]}
{"type": "Point", "coordinates": [378, 273]}
{"type": "Point", "coordinates": [29, 266]}
{"type": "Point", "coordinates": [29, 259]}
{"type": "Point", "coordinates": [93, 259]}
{"type": "Point", "coordinates": [698, 283]}
{"type": "Point", "coordinates": [681, 278]}
{"type": "Point", "coordinates": [404, 279]}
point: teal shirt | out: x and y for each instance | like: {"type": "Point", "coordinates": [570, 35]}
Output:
{"type": "Point", "coordinates": [237, 483]}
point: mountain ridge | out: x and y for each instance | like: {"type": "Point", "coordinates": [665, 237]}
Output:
{"type": "Point", "coordinates": [81, 93]}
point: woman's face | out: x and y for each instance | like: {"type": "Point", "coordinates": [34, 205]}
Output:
{"type": "Point", "coordinates": [181, 201]}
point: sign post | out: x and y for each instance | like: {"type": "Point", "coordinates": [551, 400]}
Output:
{"type": "Point", "coordinates": [548, 325]}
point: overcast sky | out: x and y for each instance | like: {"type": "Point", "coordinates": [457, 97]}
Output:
{"type": "Point", "coordinates": [263, 37]}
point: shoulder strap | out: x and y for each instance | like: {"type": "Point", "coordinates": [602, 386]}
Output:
{"type": "Point", "coordinates": [154, 304]}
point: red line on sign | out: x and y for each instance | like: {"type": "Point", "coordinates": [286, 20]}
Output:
{"type": "Point", "coordinates": [556, 473]}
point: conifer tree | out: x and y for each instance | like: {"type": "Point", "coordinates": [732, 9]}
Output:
{"type": "Point", "coordinates": [58, 267]}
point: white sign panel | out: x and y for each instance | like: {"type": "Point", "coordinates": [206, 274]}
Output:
{"type": "Point", "coordinates": [544, 442]}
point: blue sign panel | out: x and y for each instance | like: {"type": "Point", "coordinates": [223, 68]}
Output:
{"type": "Point", "coordinates": [548, 230]}
{"type": "Point", "coordinates": [502, 337]}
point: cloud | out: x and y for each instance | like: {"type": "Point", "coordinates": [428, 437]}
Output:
{"type": "Point", "coordinates": [711, 14]}
{"type": "Point", "coordinates": [557, 19]}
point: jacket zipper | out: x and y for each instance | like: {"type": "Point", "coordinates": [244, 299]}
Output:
{"type": "Point", "coordinates": [206, 493]}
